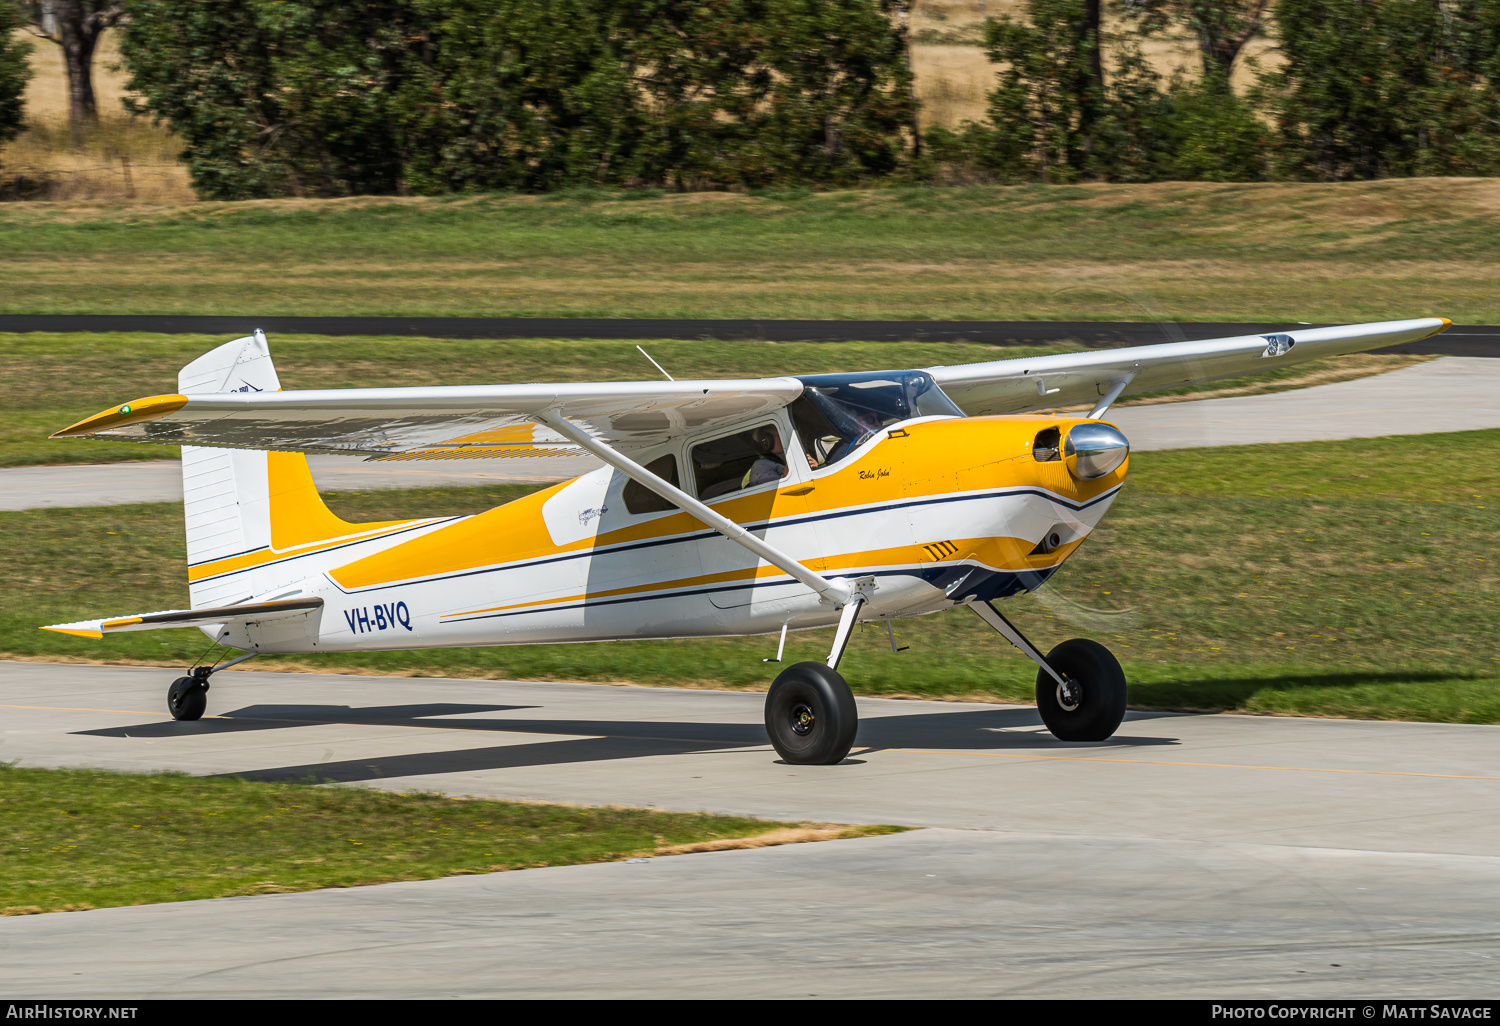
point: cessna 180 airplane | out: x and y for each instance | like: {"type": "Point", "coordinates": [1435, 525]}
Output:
{"type": "Point", "coordinates": [725, 507]}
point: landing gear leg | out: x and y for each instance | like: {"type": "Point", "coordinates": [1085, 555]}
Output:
{"type": "Point", "coordinates": [1080, 687]}
{"type": "Point", "coordinates": [187, 698]}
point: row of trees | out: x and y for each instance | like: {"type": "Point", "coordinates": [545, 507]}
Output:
{"type": "Point", "coordinates": [1387, 87]}
{"type": "Point", "coordinates": [1061, 112]}
{"type": "Point", "coordinates": [332, 97]}
{"type": "Point", "coordinates": [1361, 89]}
{"type": "Point", "coordinates": [324, 97]}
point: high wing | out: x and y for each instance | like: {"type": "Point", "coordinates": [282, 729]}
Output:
{"type": "Point", "coordinates": [517, 421]}
{"type": "Point", "coordinates": [1102, 376]}
{"type": "Point", "coordinates": [461, 422]}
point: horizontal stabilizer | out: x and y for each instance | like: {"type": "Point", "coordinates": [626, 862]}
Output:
{"type": "Point", "coordinates": [253, 612]}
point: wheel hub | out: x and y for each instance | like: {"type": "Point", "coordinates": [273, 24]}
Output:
{"type": "Point", "coordinates": [1069, 694]}
{"type": "Point", "coordinates": [802, 719]}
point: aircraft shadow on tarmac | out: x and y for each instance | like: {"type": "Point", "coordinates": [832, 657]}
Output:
{"type": "Point", "coordinates": [1000, 729]}
{"type": "Point", "coordinates": [280, 717]}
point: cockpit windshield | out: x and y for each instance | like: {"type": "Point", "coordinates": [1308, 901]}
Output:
{"type": "Point", "coordinates": [839, 412]}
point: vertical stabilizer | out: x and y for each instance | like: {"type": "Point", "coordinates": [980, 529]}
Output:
{"type": "Point", "coordinates": [242, 507]}
{"type": "Point", "coordinates": [215, 480]}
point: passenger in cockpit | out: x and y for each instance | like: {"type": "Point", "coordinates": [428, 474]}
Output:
{"type": "Point", "coordinates": [771, 464]}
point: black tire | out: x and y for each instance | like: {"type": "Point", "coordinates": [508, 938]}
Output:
{"type": "Point", "coordinates": [1098, 703]}
{"type": "Point", "coordinates": [810, 715]}
{"type": "Point", "coordinates": [187, 699]}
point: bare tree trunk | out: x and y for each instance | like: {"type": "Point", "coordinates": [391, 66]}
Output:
{"type": "Point", "coordinates": [903, 11]}
{"type": "Point", "coordinates": [1093, 16]}
{"type": "Point", "coordinates": [78, 44]}
{"type": "Point", "coordinates": [75, 26]}
{"type": "Point", "coordinates": [1093, 96]}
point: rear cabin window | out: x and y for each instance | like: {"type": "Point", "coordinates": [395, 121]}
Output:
{"type": "Point", "coordinates": [737, 462]}
{"type": "Point", "coordinates": [640, 499]}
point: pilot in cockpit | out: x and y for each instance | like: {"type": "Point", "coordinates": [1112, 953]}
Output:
{"type": "Point", "coordinates": [770, 465]}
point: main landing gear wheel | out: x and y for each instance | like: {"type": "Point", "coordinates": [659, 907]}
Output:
{"type": "Point", "coordinates": [810, 715]}
{"type": "Point", "coordinates": [187, 698]}
{"type": "Point", "coordinates": [1091, 704]}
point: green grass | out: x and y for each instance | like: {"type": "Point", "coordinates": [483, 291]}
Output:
{"type": "Point", "coordinates": [1183, 251]}
{"type": "Point", "coordinates": [1355, 578]}
{"type": "Point", "coordinates": [77, 839]}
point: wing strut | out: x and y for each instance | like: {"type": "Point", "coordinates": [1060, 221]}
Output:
{"type": "Point", "coordinates": [1108, 399]}
{"type": "Point", "coordinates": [835, 592]}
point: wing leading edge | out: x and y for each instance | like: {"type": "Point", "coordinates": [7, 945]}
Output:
{"type": "Point", "coordinates": [1047, 382]}
{"type": "Point", "coordinates": [508, 421]}
{"type": "Point", "coordinates": [461, 422]}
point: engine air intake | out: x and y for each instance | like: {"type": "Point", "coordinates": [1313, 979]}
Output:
{"type": "Point", "coordinates": [1046, 447]}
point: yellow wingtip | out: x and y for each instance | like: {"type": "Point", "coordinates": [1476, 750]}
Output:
{"type": "Point", "coordinates": [96, 635]}
{"type": "Point", "coordinates": [1438, 331]}
{"type": "Point", "coordinates": [150, 408]}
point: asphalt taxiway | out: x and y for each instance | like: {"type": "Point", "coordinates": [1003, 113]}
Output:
{"type": "Point", "coordinates": [1216, 856]}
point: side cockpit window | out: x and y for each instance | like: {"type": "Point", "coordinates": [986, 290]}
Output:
{"type": "Point", "coordinates": [640, 499]}
{"type": "Point", "coordinates": [737, 462]}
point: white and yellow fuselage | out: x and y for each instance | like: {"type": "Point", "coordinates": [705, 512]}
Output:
{"type": "Point", "coordinates": [938, 511]}
{"type": "Point", "coordinates": [926, 513]}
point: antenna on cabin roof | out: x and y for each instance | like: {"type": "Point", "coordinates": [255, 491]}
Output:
{"type": "Point", "coordinates": [656, 365]}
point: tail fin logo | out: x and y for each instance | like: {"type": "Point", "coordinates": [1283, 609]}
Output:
{"type": "Point", "coordinates": [247, 387]}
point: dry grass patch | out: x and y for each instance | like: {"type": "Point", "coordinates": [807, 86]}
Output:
{"type": "Point", "coordinates": [953, 84]}
{"type": "Point", "coordinates": [783, 835]}
{"type": "Point", "coordinates": [124, 157]}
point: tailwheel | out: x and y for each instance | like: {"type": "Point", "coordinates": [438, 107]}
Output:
{"type": "Point", "coordinates": [1089, 703]}
{"type": "Point", "coordinates": [810, 715]}
{"type": "Point", "coordinates": [187, 698]}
